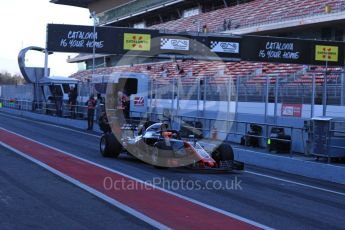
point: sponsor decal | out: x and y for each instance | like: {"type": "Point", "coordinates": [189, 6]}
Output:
{"type": "Point", "coordinates": [174, 44]}
{"type": "Point", "coordinates": [225, 47]}
{"type": "Point", "coordinates": [292, 110]}
{"type": "Point", "coordinates": [139, 101]}
{"type": "Point", "coordinates": [326, 53]}
{"type": "Point", "coordinates": [140, 42]}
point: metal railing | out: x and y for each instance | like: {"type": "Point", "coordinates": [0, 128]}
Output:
{"type": "Point", "coordinates": [226, 130]}
{"type": "Point", "coordinates": [336, 133]}
{"type": "Point", "coordinates": [54, 109]}
{"type": "Point", "coordinates": [130, 9]}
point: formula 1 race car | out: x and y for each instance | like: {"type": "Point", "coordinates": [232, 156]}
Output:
{"type": "Point", "coordinates": [164, 148]}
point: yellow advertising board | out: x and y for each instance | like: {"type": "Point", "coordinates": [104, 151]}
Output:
{"type": "Point", "coordinates": [326, 53]}
{"type": "Point", "coordinates": [139, 42]}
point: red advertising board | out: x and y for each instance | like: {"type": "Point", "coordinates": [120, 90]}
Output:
{"type": "Point", "coordinates": [291, 110]}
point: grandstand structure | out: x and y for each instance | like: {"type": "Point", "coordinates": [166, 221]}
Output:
{"type": "Point", "coordinates": [308, 19]}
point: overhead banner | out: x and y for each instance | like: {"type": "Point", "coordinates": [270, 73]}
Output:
{"type": "Point", "coordinates": [327, 53]}
{"type": "Point", "coordinates": [225, 46]}
{"type": "Point", "coordinates": [107, 40]}
{"type": "Point", "coordinates": [138, 42]}
{"type": "Point", "coordinates": [199, 46]}
{"type": "Point", "coordinates": [272, 49]}
{"type": "Point", "coordinates": [296, 51]}
{"type": "Point", "coordinates": [80, 39]}
{"type": "Point", "coordinates": [331, 53]}
{"type": "Point", "coordinates": [173, 43]}
{"type": "Point", "coordinates": [210, 47]}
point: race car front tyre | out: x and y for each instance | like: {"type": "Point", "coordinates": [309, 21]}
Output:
{"type": "Point", "coordinates": [110, 146]}
{"type": "Point", "coordinates": [223, 152]}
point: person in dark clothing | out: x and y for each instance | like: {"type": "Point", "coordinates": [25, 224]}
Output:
{"type": "Point", "coordinates": [72, 100]}
{"type": "Point", "coordinates": [104, 123]}
{"type": "Point", "coordinates": [123, 104]}
{"type": "Point", "coordinates": [227, 24]}
{"type": "Point", "coordinates": [91, 105]}
{"type": "Point", "coordinates": [57, 98]}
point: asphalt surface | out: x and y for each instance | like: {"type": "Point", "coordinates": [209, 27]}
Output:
{"type": "Point", "coordinates": [33, 198]}
{"type": "Point", "coordinates": [275, 199]}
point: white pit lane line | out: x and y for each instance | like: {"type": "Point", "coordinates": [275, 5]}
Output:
{"type": "Point", "coordinates": [294, 182]}
{"type": "Point", "coordinates": [48, 124]}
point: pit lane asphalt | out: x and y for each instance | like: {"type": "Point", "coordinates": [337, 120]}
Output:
{"type": "Point", "coordinates": [33, 198]}
{"type": "Point", "coordinates": [266, 200]}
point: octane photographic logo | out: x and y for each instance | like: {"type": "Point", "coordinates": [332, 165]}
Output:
{"type": "Point", "coordinates": [180, 184]}
{"type": "Point", "coordinates": [173, 97]}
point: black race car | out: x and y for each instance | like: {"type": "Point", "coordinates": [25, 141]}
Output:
{"type": "Point", "coordinates": [163, 148]}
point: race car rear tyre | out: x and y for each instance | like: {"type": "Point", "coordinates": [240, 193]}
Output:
{"type": "Point", "coordinates": [110, 146]}
{"type": "Point", "coordinates": [223, 152]}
